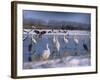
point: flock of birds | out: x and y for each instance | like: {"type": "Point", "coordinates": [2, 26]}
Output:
{"type": "Point", "coordinates": [46, 53]}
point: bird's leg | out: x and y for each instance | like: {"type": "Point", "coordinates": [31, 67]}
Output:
{"type": "Point", "coordinates": [53, 54]}
{"type": "Point", "coordinates": [29, 59]}
{"type": "Point", "coordinates": [77, 51]}
{"type": "Point", "coordinates": [30, 49]}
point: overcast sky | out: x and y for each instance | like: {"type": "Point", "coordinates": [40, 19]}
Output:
{"type": "Point", "coordinates": [59, 16]}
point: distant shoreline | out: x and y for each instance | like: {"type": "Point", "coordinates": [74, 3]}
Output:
{"type": "Point", "coordinates": [69, 32]}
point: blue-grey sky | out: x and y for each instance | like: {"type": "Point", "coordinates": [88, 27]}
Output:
{"type": "Point", "coordinates": [59, 16]}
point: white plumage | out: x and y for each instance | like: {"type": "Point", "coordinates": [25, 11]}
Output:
{"type": "Point", "coordinates": [33, 40]}
{"type": "Point", "coordinates": [46, 53]}
{"type": "Point", "coordinates": [56, 43]}
{"type": "Point", "coordinates": [54, 39]}
{"type": "Point", "coordinates": [65, 39]}
{"type": "Point", "coordinates": [76, 40]}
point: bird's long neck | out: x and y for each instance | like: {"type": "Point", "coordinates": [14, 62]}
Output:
{"type": "Point", "coordinates": [47, 46]}
{"type": "Point", "coordinates": [54, 39]}
{"type": "Point", "coordinates": [64, 37]}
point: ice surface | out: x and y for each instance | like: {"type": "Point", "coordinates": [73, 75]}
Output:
{"type": "Point", "coordinates": [70, 61]}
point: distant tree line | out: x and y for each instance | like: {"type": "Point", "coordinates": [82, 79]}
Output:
{"type": "Point", "coordinates": [54, 24]}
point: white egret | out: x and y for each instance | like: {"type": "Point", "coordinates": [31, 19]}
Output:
{"type": "Point", "coordinates": [33, 40]}
{"type": "Point", "coordinates": [65, 39]}
{"type": "Point", "coordinates": [76, 40]}
{"type": "Point", "coordinates": [54, 39]}
{"type": "Point", "coordinates": [57, 45]}
{"type": "Point", "coordinates": [76, 43]}
{"type": "Point", "coordinates": [46, 53]}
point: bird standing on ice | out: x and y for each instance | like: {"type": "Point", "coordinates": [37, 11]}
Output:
{"type": "Point", "coordinates": [54, 39]}
{"type": "Point", "coordinates": [30, 48]}
{"type": "Point", "coordinates": [46, 53]}
{"type": "Point", "coordinates": [76, 41]}
{"type": "Point", "coordinates": [86, 47]}
{"type": "Point", "coordinates": [65, 39]}
{"type": "Point", "coordinates": [56, 45]}
{"type": "Point", "coordinates": [65, 42]}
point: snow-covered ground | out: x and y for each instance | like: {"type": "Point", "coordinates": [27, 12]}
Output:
{"type": "Point", "coordinates": [69, 61]}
